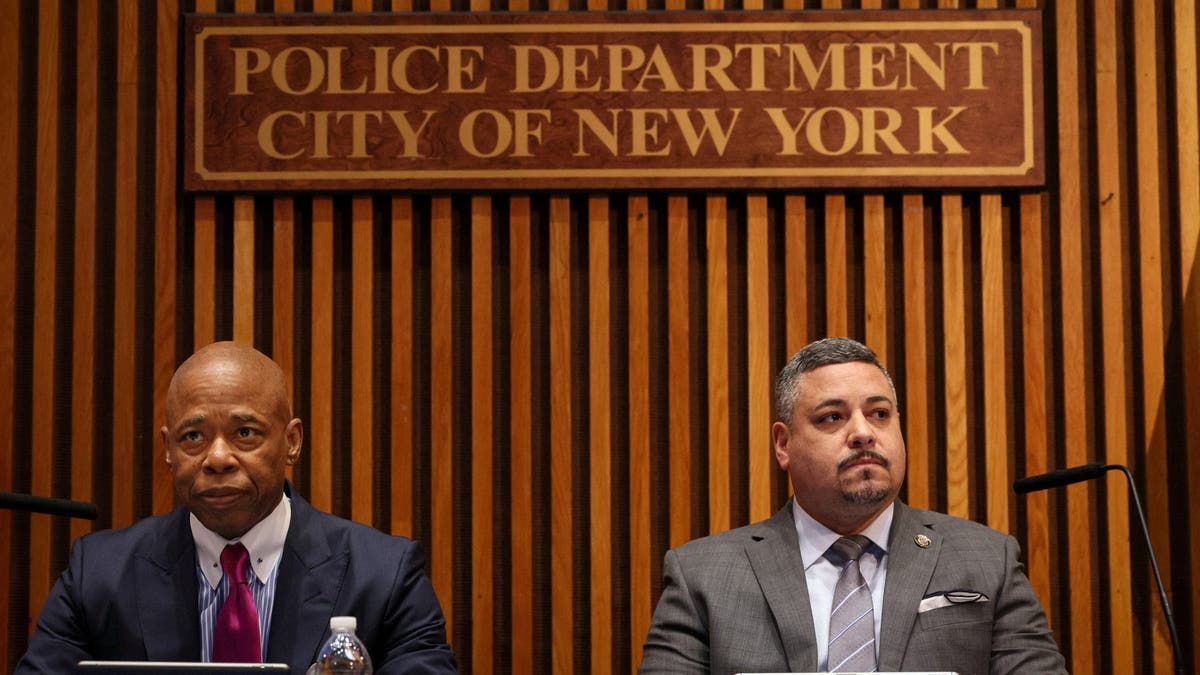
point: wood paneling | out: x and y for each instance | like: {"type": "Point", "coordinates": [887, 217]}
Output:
{"type": "Point", "coordinates": [10, 178]}
{"type": "Point", "coordinates": [45, 269]}
{"type": "Point", "coordinates": [547, 391]}
{"type": "Point", "coordinates": [1077, 403]}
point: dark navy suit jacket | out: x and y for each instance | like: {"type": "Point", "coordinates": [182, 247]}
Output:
{"type": "Point", "coordinates": [131, 595]}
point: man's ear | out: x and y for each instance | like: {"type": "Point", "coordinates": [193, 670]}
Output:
{"type": "Point", "coordinates": [294, 435]}
{"type": "Point", "coordinates": [166, 445]}
{"type": "Point", "coordinates": [780, 434]}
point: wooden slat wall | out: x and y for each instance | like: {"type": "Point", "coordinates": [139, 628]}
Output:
{"type": "Point", "coordinates": [549, 390]}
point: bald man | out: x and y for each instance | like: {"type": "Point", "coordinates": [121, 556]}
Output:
{"type": "Point", "coordinates": [242, 537]}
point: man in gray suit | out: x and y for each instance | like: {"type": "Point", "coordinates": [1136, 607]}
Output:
{"type": "Point", "coordinates": [917, 591]}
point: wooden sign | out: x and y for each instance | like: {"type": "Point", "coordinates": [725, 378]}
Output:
{"type": "Point", "coordinates": [637, 100]}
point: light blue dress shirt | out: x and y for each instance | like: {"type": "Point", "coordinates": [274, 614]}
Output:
{"type": "Point", "coordinates": [822, 575]}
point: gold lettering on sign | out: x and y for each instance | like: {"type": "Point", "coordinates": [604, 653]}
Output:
{"type": "Point", "coordinates": [862, 128]}
{"type": "Point", "coordinates": [723, 99]}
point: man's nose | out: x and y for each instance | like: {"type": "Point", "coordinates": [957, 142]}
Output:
{"type": "Point", "coordinates": [219, 457]}
{"type": "Point", "coordinates": [862, 433]}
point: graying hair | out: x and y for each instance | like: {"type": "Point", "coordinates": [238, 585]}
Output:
{"type": "Point", "coordinates": [826, 352]}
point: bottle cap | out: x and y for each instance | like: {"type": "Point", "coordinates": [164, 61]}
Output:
{"type": "Point", "coordinates": [343, 623]}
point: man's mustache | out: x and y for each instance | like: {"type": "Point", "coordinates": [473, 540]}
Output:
{"type": "Point", "coordinates": [878, 457]}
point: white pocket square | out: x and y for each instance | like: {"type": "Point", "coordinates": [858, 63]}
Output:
{"type": "Point", "coordinates": [939, 600]}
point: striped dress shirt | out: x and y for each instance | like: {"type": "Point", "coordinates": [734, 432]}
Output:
{"type": "Point", "coordinates": [264, 542]}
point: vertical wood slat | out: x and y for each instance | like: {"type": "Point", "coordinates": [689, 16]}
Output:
{"type": "Point", "coordinates": [481, 445]}
{"type": "Point", "coordinates": [1037, 396]}
{"type": "Point", "coordinates": [837, 283]}
{"type": "Point", "coordinates": [640, 583]}
{"type": "Point", "coordinates": [679, 369]}
{"type": "Point", "coordinates": [124, 435]}
{"type": "Point", "coordinates": [955, 358]}
{"type": "Point", "coordinates": [758, 362]}
{"type": "Point", "coordinates": [442, 376]}
{"type": "Point", "coordinates": [521, 425]}
{"type": "Point", "coordinates": [482, 501]}
{"type": "Point", "coordinates": [283, 243]}
{"type": "Point", "coordinates": [441, 397]}
{"type": "Point", "coordinates": [283, 249]}
{"type": "Point", "coordinates": [243, 269]}
{"type": "Point", "coordinates": [164, 236]}
{"type": "Point", "coordinates": [521, 422]}
{"type": "Point", "coordinates": [10, 28]}
{"type": "Point", "coordinates": [917, 415]}
{"type": "Point", "coordinates": [1073, 330]}
{"type": "Point", "coordinates": [796, 253]}
{"type": "Point", "coordinates": [993, 251]}
{"type": "Point", "coordinates": [640, 603]}
{"type": "Point", "coordinates": [402, 395]}
{"type": "Point", "coordinates": [204, 247]}
{"type": "Point", "coordinates": [1034, 357]}
{"type": "Point", "coordinates": [600, 425]}
{"type": "Point", "coordinates": [1115, 381]}
{"type": "Point", "coordinates": [320, 445]}
{"type": "Point", "coordinates": [837, 287]}
{"type": "Point", "coordinates": [45, 250]}
{"type": "Point", "coordinates": [599, 422]}
{"type": "Point", "coordinates": [322, 357]}
{"type": "Point", "coordinates": [717, 243]}
{"type": "Point", "coordinates": [243, 247]}
{"type": "Point", "coordinates": [1186, 116]}
{"type": "Point", "coordinates": [1152, 318]}
{"type": "Point", "coordinates": [362, 362]}
{"type": "Point", "coordinates": [283, 289]}
{"type": "Point", "coordinates": [876, 277]}
{"type": "Point", "coordinates": [204, 283]}
{"type": "Point", "coordinates": [562, 521]}
{"type": "Point", "coordinates": [796, 274]}
{"type": "Point", "coordinates": [83, 296]}
{"type": "Point", "coordinates": [283, 297]}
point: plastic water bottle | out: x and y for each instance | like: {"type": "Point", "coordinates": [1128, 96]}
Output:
{"type": "Point", "coordinates": [343, 652]}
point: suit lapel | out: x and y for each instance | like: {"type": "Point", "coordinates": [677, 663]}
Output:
{"type": "Point", "coordinates": [166, 592]}
{"type": "Point", "coordinates": [310, 574]}
{"type": "Point", "coordinates": [910, 567]}
{"type": "Point", "coordinates": [774, 556]}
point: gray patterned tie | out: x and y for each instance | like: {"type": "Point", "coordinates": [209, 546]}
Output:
{"type": "Point", "coordinates": [852, 621]}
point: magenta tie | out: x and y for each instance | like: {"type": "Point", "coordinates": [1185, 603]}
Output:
{"type": "Point", "coordinates": [235, 638]}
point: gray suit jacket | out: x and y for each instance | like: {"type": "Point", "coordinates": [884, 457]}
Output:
{"type": "Point", "coordinates": [738, 602]}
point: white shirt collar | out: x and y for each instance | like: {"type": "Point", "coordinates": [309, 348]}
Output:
{"type": "Point", "coordinates": [264, 543]}
{"type": "Point", "coordinates": [815, 538]}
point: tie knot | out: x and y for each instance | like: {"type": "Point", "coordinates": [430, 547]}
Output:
{"type": "Point", "coordinates": [846, 549]}
{"type": "Point", "coordinates": [233, 561]}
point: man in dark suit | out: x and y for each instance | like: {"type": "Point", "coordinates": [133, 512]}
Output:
{"type": "Point", "coordinates": [157, 591]}
{"type": "Point", "coordinates": [846, 577]}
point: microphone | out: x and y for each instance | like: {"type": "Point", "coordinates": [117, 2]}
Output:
{"type": "Point", "coordinates": [1076, 474]}
{"type": "Point", "coordinates": [1059, 478]}
{"type": "Point", "coordinates": [50, 505]}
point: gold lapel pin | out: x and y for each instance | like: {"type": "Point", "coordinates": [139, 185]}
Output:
{"type": "Point", "coordinates": [923, 541]}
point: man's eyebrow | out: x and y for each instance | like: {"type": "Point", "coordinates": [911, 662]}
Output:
{"type": "Point", "coordinates": [246, 417]}
{"type": "Point", "coordinates": [830, 403]}
{"type": "Point", "coordinates": [190, 422]}
{"type": "Point", "coordinates": [841, 402]}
